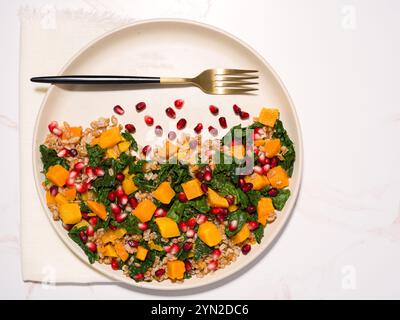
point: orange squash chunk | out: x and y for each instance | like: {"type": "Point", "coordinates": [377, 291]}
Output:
{"type": "Point", "coordinates": [58, 175]}
{"type": "Point", "coordinates": [259, 181]}
{"type": "Point", "coordinates": [112, 235]}
{"type": "Point", "coordinates": [215, 200]}
{"type": "Point", "coordinates": [98, 208]}
{"type": "Point", "coordinates": [268, 117]}
{"type": "Point", "coordinates": [108, 251]}
{"type": "Point", "coordinates": [145, 210]}
{"type": "Point", "coordinates": [164, 193]}
{"type": "Point", "coordinates": [49, 198]}
{"type": "Point", "coordinates": [73, 132]}
{"type": "Point", "coordinates": [242, 235]}
{"type": "Point", "coordinates": [121, 251]}
{"type": "Point", "coordinates": [278, 177]}
{"type": "Point", "coordinates": [209, 234]}
{"type": "Point", "coordinates": [272, 147]}
{"type": "Point", "coordinates": [69, 194]}
{"type": "Point", "coordinates": [141, 253]}
{"type": "Point", "coordinates": [60, 199]}
{"type": "Point", "coordinates": [264, 209]}
{"type": "Point", "coordinates": [192, 189]}
{"type": "Point", "coordinates": [70, 213]}
{"type": "Point", "coordinates": [176, 269]}
{"type": "Point", "coordinates": [110, 138]}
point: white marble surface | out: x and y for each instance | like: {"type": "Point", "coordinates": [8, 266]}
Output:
{"type": "Point", "coordinates": [339, 60]}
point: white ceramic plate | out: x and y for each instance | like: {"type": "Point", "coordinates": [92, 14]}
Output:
{"type": "Point", "coordinates": [162, 48]}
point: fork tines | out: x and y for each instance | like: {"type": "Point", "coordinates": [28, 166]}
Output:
{"type": "Point", "coordinates": [235, 81]}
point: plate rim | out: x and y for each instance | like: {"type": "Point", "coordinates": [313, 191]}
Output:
{"type": "Point", "coordinates": [232, 271]}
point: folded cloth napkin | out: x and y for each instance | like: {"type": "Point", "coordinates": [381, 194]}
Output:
{"type": "Point", "coordinates": [48, 39]}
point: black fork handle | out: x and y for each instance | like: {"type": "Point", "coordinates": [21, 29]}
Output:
{"type": "Point", "coordinates": [98, 79]}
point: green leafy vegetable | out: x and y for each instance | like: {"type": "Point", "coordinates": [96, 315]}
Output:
{"type": "Point", "coordinates": [123, 161]}
{"type": "Point", "coordinates": [49, 158]}
{"type": "Point", "coordinates": [225, 187]}
{"type": "Point", "coordinates": [280, 199]}
{"type": "Point", "coordinates": [200, 249]}
{"type": "Point", "coordinates": [74, 235]}
{"type": "Point", "coordinates": [176, 211]}
{"type": "Point", "coordinates": [128, 137]}
{"type": "Point", "coordinates": [143, 265]}
{"type": "Point", "coordinates": [241, 217]}
{"type": "Point", "coordinates": [95, 154]}
{"type": "Point", "coordinates": [143, 184]}
{"type": "Point", "coordinates": [130, 224]}
{"type": "Point", "coordinates": [137, 167]}
{"type": "Point", "coordinates": [200, 204]}
{"type": "Point", "coordinates": [290, 156]}
{"type": "Point", "coordinates": [259, 233]}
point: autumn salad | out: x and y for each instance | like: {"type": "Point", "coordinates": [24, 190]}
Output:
{"type": "Point", "coordinates": [185, 207]}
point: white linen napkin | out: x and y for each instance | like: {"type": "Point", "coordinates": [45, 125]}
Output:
{"type": "Point", "coordinates": [48, 39]}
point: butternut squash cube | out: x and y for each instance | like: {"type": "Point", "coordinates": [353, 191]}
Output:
{"type": "Point", "coordinates": [145, 210]}
{"type": "Point", "coordinates": [238, 151]}
{"type": "Point", "coordinates": [108, 251]}
{"type": "Point", "coordinates": [124, 146]}
{"type": "Point", "coordinates": [60, 199]}
{"type": "Point", "coordinates": [168, 227]}
{"type": "Point", "coordinates": [98, 208]}
{"type": "Point", "coordinates": [265, 208]}
{"type": "Point", "coordinates": [242, 235]}
{"type": "Point", "coordinates": [278, 177]}
{"type": "Point", "coordinates": [232, 208]}
{"type": "Point", "coordinates": [70, 213]}
{"type": "Point", "coordinates": [112, 235]}
{"type": "Point", "coordinates": [128, 185]}
{"type": "Point", "coordinates": [164, 193]}
{"type": "Point", "coordinates": [95, 141]}
{"type": "Point", "coordinates": [58, 175]}
{"type": "Point", "coordinates": [73, 132]}
{"type": "Point", "coordinates": [141, 253]}
{"type": "Point", "coordinates": [268, 116]}
{"type": "Point", "coordinates": [208, 233]}
{"type": "Point", "coordinates": [215, 200]}
{"type": "Point", "coordinates": [259, 142]}
{"type": "Point", "coordinates": [82, 223]}
{"type": "Point", "coordinates": [176, 269]}
{"type": "Point", "coordinates": [121, 251]}
{"type": "Point", "coordinates": [259, 181]}
{"type": "Point", "coordinates": [272, 147]}
{"type": "Point", "coordinates": [154, 246]}
{"type": "Point", "coordinates": [111, 153]}
{"type": "Point", "coordinates": [110, 138]}
{"type": "Point", "coordinates": [192, 189]}
{"type": "Point", "coordinates": [50, 200]}
{"type": "Point", "coordinates": [69, 194]}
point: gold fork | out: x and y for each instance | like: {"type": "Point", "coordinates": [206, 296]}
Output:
{"type": "Point", "coordinates": [211, 81]}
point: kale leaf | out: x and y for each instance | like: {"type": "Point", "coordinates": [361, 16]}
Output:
{"type": "Point", "coordinates": [74, 235]}
{"type": "Point", "coordinates": [200, 249]}
{"type": "Point", "coordinates": [128, 137]}
{"type": "Point", "coordinates": [144, 266]}
{"type": "Point", "coordinates": [49, 158]}
{"type": "Point", "coordinates": [259, 233]}
{"type": "Point", "coordinates": [290, 156]}
{"type": "Point", "coordinates": [130, 224]}
{"type": "Point", "coordinates": [241, 217]}
{"type": "Point", "coordinates": [176, 211]}
{"type": "Point", "coordinates": [95, 154]}
{"type": "Point", "coordinates": [280, 199]}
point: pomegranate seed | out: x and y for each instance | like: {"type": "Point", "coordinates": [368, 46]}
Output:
{"type": "Point", "coordinates": [73, 153]}
{"type": "Point", "coordinates": [111, 196]}
{"type": "Point", "coordinates": [70, 182]}
{"type": "Point", "coordinates": [53, 191]}
{"type": "Point", "coordinates": [115, 209]}
{"type": "Point", "coordinates": [204, 187]}
{"type": "Point", "coordinates": [201, 218]}
{"type": "Point", "coordinates": [182, 197]}
{"type": "Point", "coordinates": [175, 248]}
{"type": "Point", "coordinates": [57, 132]}
{"type": "Point", "coordinates": [113, 228]}
{"type": "Point", "coordinates": [67, 227]}
{"type": "Point", "coordinates": [244, 115]}
{"type": "Point", "coordinates": [212, 265]}
{"type": "Point", "coordinates": [149, 120]}
{"type": "Point", "coordinates": [133, 243]}
{"type": "Point", "coordinates": [266, 168]}
{"type": "Point", "coordinates": [146, 150]}
{"type": "Point", "coordinates": [64, 152]}
{"type": "Point", "coordinates": [183, 226]}
{"type": "Point", "coordinates": [170, 113]}
{"type": "Point", "coordinates": [198, 128]}
{"type": "Point", "coordinates": [79, 166]}
{"type": "Point", "coordinates": [120, 217]}
{"type": "Point", "coordinates": [160, 212]}
{"type": "Point", "coordinates": [207, 175]}
{"type": "Point", "coordinates": [119, 110]}
{"type": "Point", "coordinates": [181, 124]}
{"type": "Point", "coordinates": [191, 222]}
{"type": "Point", "coordinates": [233, 225]}
{"type": "Point", "coordinates": [83, 236]}
{"type": "Point", "coordinates": [222, 122]}
{"type": "Point", "coordinates": [93, 221]}
{"type": "Point", "coordinates": [187, 246]}
{"type": "Point", "coordinates": [212, 130]}
{"type": "Point", "coordinates": [85, 216]}
{"type": "Point", "coordinates": [216, 253]}
{"type": "Point", "coordinates": [247, 187]}
{"type": "Point", "coordinates": [81, 187]}
{"type": "Point", "coordinates": [256, 151]}
{"type": "Point", "coordinates": [179, 103]}
{"type": "Point", "coordinates": [159, 273]}
{"type": "Point", "coordinates": [89, 172]}
{"type": "Point", "coordinates": [273, 192]}
{"type": "Point", "coordinates": [241, 182]}
{"type": "Point", "coordinates": [253, 225]}
{"type": "Point", "coordinates": [123, 200]}
{"type": "Point", "coordinates": [140, 106]}
{"type": "Point", "coordinates": [190, 233]}
{"type": "Point", "coordinates": [90, 231]}
{"type": "Point", "coordinates": [119, 192]}
{"type": "Point", "coordinates": [216, 210]}
{"type": "Point", "coordinates": [221, 217]}
{"type": "Point", "coordinates": [274, 162]}
{"type": "Point", "coordinates": [143, 226]}
{"type": "Point", "coordinates": [167, 249]}
{"type": "Point", "coordinates": [130, 128]}
{"type": "Point", "coordinates": [188, 265]}
{"type": "Point", "coordinates": [120, 176]}
{"type": "Point", "coordinates": [246, 248]}
{"type": "Point", "coordinates": [52, 125]}
{"type": "Point", "coordinates": [133, 202]}
{"type": "Point", "coordinates": [138, 277]}
{"type": "Point", "coordinates": [214, 110]}
{"type": "Point", "coordinates": [99, 172]}
{"type": "Point", "coordinates": [236, 109]}
{"type": "Point", "coordinates": [251, 209]}
{"type": "Point", "coordinates": [199, 175]}
{"type": "Point", "coordinates": [171, 135]}
{"type": "Point", "coordinates": [258, 170]}
{"type": "Point", "coordinates": [114, 264]}
{"type": "Point", "coordinates": [73, 174]}
{"type": "Point", "coordinates": [231, 199]}
{"type": "Point", "coordinates": [158, 131]}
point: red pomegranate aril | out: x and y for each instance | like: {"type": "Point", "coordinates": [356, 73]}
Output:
{"type": "Point", "coordinates": [182, 197]}
{"type": "Point", "coordinates": [133, 243]}
{"type": "Point", "coordinates": [236, 109]}
{"type": "Point", "coordinates": [93, 221]}
{"type": "Point", "coordinates": [187, 246]}
{"type": "Point", "coordinates": [251, 209]}
{"type": "Point", "coordinates": [115, 209]}
{"type": "Point", "coordinates": [90, 231]}
{"type": "Point", "coordinates": [216, 210]}
{"type": "Point", "coordinates": [120, 176]}
{"type": "Point", "coordinates": [201, 218]}
{"type": "Point", "coordinates": [204, 187]}
{"type": "Point", "coordinates": [175, 248]}
{"type": "Point", "coordinates": [221, 217]}
{"type": "Point", "coordinates": [52, 125]}
{"type": "Point", "coordinates": [79, 166]}
{"type": "Point", "coordinates": [143, 226]}
{"type": "Point", "coordinates": [246, 249]}
{"type": "Point", "coordinates": [113, 228]}
{"type": "Point", "coordinates": [188, 265]}
{"type": "Point", "coordinates": [247, 187]}
{"type": "Point", "coordinates": [273, 192]}
{"type": "Point", "coordinates": [149, 120]}
{"type": "Point", "coordinates": [114, 264]}
{"type": "Point", "coordinates": [167, 249]}
{"type": "Point", "coordinates": [231, 199]}
{"type": "Point", "coordinates": [111, 196]}
{"type": "Point", "coordinates": [170, 113]}
{"type": "Point", "coordinates": [119, 192]}
{"type": "Point", "coordinates": [199, 175]}
{"type": "Point", "coordinates": [64, 152]}
{"type": "Point", "coordinates": [130, 128]}
{"type": "Point", "coordinates": [89, 172]}
{"type": "Point", "coordinates": [274, 162]}
{"type": "Point", "coordinates": [160, 212]}
{"type": "Point", "coordinates": [73, 174]}
{"type": "Point", "coordinates": [207, 175]}
{"type": "Point", "coordinates": [171, 135]}
{"type": "Point", "coordinates": [70, 182]}
{"type": "Point", "coordinates": [85, 216]}
{"type": "Point", "coordinates": [138, 277]}
{"type": "Point", "coordinates": [258, 170]}
{"type": "Point", "coordinates": [53, 191]}
{"type": "Point", "coordinates": [123, 200]}
{"type": "Point", "coordinates": [146, 150]}
{"type": "Point", "coordinates": [266, 168]}
{"type": "Point", "coordinates": [159, 273]}
{"type": "Point", "coordinates": [67, 227]}
{"type": "Point", "coordinates": [212, 265]}
{"type": "Point", "coordinates": [179, 103]}
{"type": "Point", "coordinates": [222, 122]}
{"type": "Point", "coordinates": [244, 115]}
{"type": "Point", "coordinates": [216, 253]}
{"type": "Point", "coordinates": [253, 225]}
{"type": "Point", "coordinates": [133, 202]}
{"type": "Point", "coordinates": [158, 131]}
{"type": "Point", "coordinates": [198, 128]}
{"type": "Point", "coordinates": [99, 172]}
{"type": "Point", "coordinates": [120, 217]}
{"type": "Point", "coordinates": [140, 106]}
{"type": "Point", "coordinates": [241, 182]}
{"type": "Point", "coordinates": [83, 236]}
{"type": "Point", "coordinates": [191, 222]}
{"type": "Point", "coordinates": [57, 132]}
{"type": "Point", "coordinates": [183, 226]}
{"type": "Point", "coordinates": [119, 110]}
{"type": "Point", "coordinates": [73, 153]}
{"type": "Point", "coordinates": [214, 110]}
{"type": "Point", "coordinates": [181, 124]}
{"type": "Point", "coordinates": [212, 130]}
{"type": "Point", "coordinates": [81, 187]}
{"type": "Point", "coordinates": [233, 225]}
{"type": "Point", "coordinates": [190, 233]}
